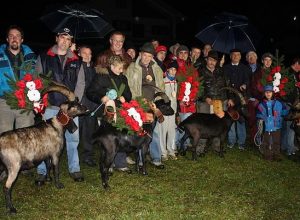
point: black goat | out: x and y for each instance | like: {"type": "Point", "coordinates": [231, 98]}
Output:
{"type": "Point", "coordinates": [294, 115]}
{"type": "Point", "coordinates": [27, 147]}
{"type": "Point", "coordinates": [110, 140]}
{"type": "Point", "coordinates": [209, 126]}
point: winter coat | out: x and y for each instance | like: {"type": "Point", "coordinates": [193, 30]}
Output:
{"type": "Point", "coordinates": [271, 113]}
{"type": "Point", "coordinates": [212, 83]}
{"type": "Point", "coordinates": [50, 61]}
{"type": "Point", "coordinates": [134, 76]}
{"type": "Point", "coordinates": [7, 68]}
{"type": "Point", "coordinates": [102, 83]}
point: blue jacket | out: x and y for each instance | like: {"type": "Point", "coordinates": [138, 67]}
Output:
{"type": "Point", "coordinates": [6, 66]}
{"type": "Point", "coordinates": [271, 113]}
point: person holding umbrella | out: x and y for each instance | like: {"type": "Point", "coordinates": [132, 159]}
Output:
{"type": "Point", "coordinates": [62, 62]}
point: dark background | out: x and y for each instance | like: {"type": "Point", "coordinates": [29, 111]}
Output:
{"type": "Point", "coordinates": [273, 21]}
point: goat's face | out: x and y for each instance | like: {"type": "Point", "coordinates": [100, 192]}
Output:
{"type": "Point", "coordinates": [164, 107]}
{"type": "Point", "coordinates": [73, 108]}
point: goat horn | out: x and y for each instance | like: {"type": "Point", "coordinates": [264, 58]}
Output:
{"type": "Point", "coordinates": [57, 87]}
{"type": "Point", "coordinates": [243, 101]}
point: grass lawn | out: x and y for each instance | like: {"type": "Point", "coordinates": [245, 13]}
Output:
{"type": "Point", "coordinates": [240, 186]}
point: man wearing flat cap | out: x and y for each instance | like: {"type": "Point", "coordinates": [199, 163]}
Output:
{"type": "Point", "coordinates": [143, 76]}
{"type": "Point", "coordinates": [238, 75]}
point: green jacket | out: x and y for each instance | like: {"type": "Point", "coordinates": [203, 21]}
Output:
{"type": "Point", "coordinates": [134, 76]}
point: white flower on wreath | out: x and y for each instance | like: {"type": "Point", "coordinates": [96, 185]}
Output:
{"type": "Point", "coordinates": [187, 92]}
{"type": "Point", "coordinates": [135, 115]}
{"type": "Point", "coordinates": [34, 95]}
{"type": "Point", "coordinates": [276, 89]}
{"type": "Point", "coordinates": [277, 76]}
{"type": "Point", "coordinates": [276, 82]}
{"type": "Point", "coordinates": [30, 85]}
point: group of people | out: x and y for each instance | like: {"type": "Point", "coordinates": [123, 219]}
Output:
{"type": "Point", "coordinates": [142, 73]}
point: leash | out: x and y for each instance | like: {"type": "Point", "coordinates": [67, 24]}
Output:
{"type": "Point", "coordinates": [257, 137]}
{"type": "Point", "coordinates": [94, 112]}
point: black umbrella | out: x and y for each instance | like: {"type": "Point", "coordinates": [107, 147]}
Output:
{"type": "Point", "coordinates": [228, 32]}
{"type": "Point", "coordinates": [84, 22]}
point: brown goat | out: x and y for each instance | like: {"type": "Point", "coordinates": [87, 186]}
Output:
{"type": "Point", "coordinates": [42, 142]}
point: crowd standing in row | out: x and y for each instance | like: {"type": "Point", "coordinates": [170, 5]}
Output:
{"type": "Point", "coordinates": [141, 73]}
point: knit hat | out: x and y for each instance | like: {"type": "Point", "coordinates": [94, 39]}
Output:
{"type": "Point", "coordinates": [182, 48]}
{"type": "Point", "coordinates": [268, 88]}
{"type": "Point", "coordinates": [148, 48]}
{"type": "Point", "coordinates": [173, 64]}
{"type": "Point", "coordinates": [161, 48]}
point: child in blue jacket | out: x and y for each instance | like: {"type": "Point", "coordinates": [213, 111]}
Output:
{"type": "Point", "coordinates": [270, 112]}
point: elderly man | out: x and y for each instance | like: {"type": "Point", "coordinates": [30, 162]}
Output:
{"type": "Point", "coordinates": [141, 73]}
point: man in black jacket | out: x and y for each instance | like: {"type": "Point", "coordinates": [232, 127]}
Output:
{"type": "Point", "coordinates": [87, 124]}
{"type": "Point", "coordinates": [63, 63]}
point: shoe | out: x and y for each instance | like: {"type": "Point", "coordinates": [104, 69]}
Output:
{"type": "Point", "coordinates": [90, 162]}
{"type": "Point", "coordinates": [242, 147]}
{"type": "Point", "coordinates": [230, 145]}
{"type": "Point", "coordinates": [158, 165]}
{"type": "Point", "coordinates": [173, 157]}
{"type": "Point", "coordinates": [130, 161]}
{"type": "Point", "coordinates": [77, 176]}
{"type": "Point", "coordinates": [164, 158]}
{"type": "Point", "coordinates": [40, 180]}
{"type": "Point", "coordinates": [110, 171]}
{"type": "Point", "coordinates": [125, 170]}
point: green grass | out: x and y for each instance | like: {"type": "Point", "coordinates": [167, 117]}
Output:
{"type": "Point", "coordinates": [241, 186]}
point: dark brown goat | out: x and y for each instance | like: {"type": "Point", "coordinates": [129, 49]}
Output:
{"type": "Point", "coordinates": [29, 146]}
{"type": "Point", "coordinates": [209, 126]}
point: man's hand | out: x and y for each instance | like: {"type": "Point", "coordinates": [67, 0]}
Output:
{"type": "Point", "coordinates": [208, 101]}
{"type": "Point", "coordinates": [122, 99]}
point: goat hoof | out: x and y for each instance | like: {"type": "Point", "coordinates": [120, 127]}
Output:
{"type": "Point", "coordinates": [106, 186]}
{"type": "Point", "coordinates": [12, 211]}
{"type": "Point", "coordinates": [59, 185]}
{"type": "Point", "coordinates": [202, 155]}
{"type": "Point", "coordinates": [221, 155]}
{"type": "Point", "coordinates": [145, 173]}
{"type": "Point", "coordinates": [183, 153]}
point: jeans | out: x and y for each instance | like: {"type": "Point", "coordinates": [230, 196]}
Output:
{"type": "Point", "coordinates": [155, 149]}
{"type": "Point", "coordinates": [287, 138]}
{"type": "Point", "coordinates": [72, 141]}
{"type": "Point", "coordinates": [179, 135]}
{"type": "Point", "coordinates": [237, 134]}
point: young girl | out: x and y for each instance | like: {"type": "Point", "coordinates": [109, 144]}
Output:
{"type": "Point", "coordinates": [269, 113]}
{"type": "Point", "coordinates": [107, 80]}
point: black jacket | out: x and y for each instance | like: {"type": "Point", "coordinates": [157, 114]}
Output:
{"type": "Point", "coordinates": [102, 83]}
{"type": "Point", "coordinates": [212, 83]}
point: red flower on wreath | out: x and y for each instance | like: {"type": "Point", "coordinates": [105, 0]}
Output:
{"type": "Point", "coordinates": [28, 94]}
{"type": "Point", "coordinates": [133, 115]}
{"type": "Point", "coordinates": [188, 90]}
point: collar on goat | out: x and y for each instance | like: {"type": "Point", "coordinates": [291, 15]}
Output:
{"type": "Point", "coordinates": [63, 118]}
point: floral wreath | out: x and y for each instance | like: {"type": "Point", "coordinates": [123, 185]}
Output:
{"type": "Point", "coordinates": [188, 90]}
{"type": "Point", "coordinates": [26, 94]}
{"type": "Point", "coordinates": [279, 79]}
{"type": "Point", "coordinates": [131, 116]}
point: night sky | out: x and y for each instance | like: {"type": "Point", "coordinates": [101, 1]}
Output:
{"type": "Point", "coordinates": [277, 24]}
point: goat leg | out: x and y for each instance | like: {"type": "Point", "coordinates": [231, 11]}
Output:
{"type": "Point", "coordinates": [142, 157]}
{"type": "Point", "coordinates": [48, 168]}
{"type": "Point", "coordinates": [182, 149]}
{"type": "Point", "coordinates": [9, 205]}
{"type": "Point", "coordinates": [55, 162]}
{"type": "Point", "coordinates": [104, 166]}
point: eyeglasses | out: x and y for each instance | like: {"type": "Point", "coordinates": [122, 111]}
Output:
{"type": "Point", "coordinates": [118, 41]}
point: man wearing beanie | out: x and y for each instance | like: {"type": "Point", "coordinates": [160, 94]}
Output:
{"type": "Point", "coordinates": [161, 52]}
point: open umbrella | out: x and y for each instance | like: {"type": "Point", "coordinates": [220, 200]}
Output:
{"type": "Point", "coordinates": [84, 22]}
{"type": "Point", "coordinates": [230, 31]}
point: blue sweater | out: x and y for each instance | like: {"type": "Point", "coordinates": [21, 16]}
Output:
{"type": "Point", "coordinates": [271, 113]}
{"type": "Point", "coordinates": [7, 68]}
